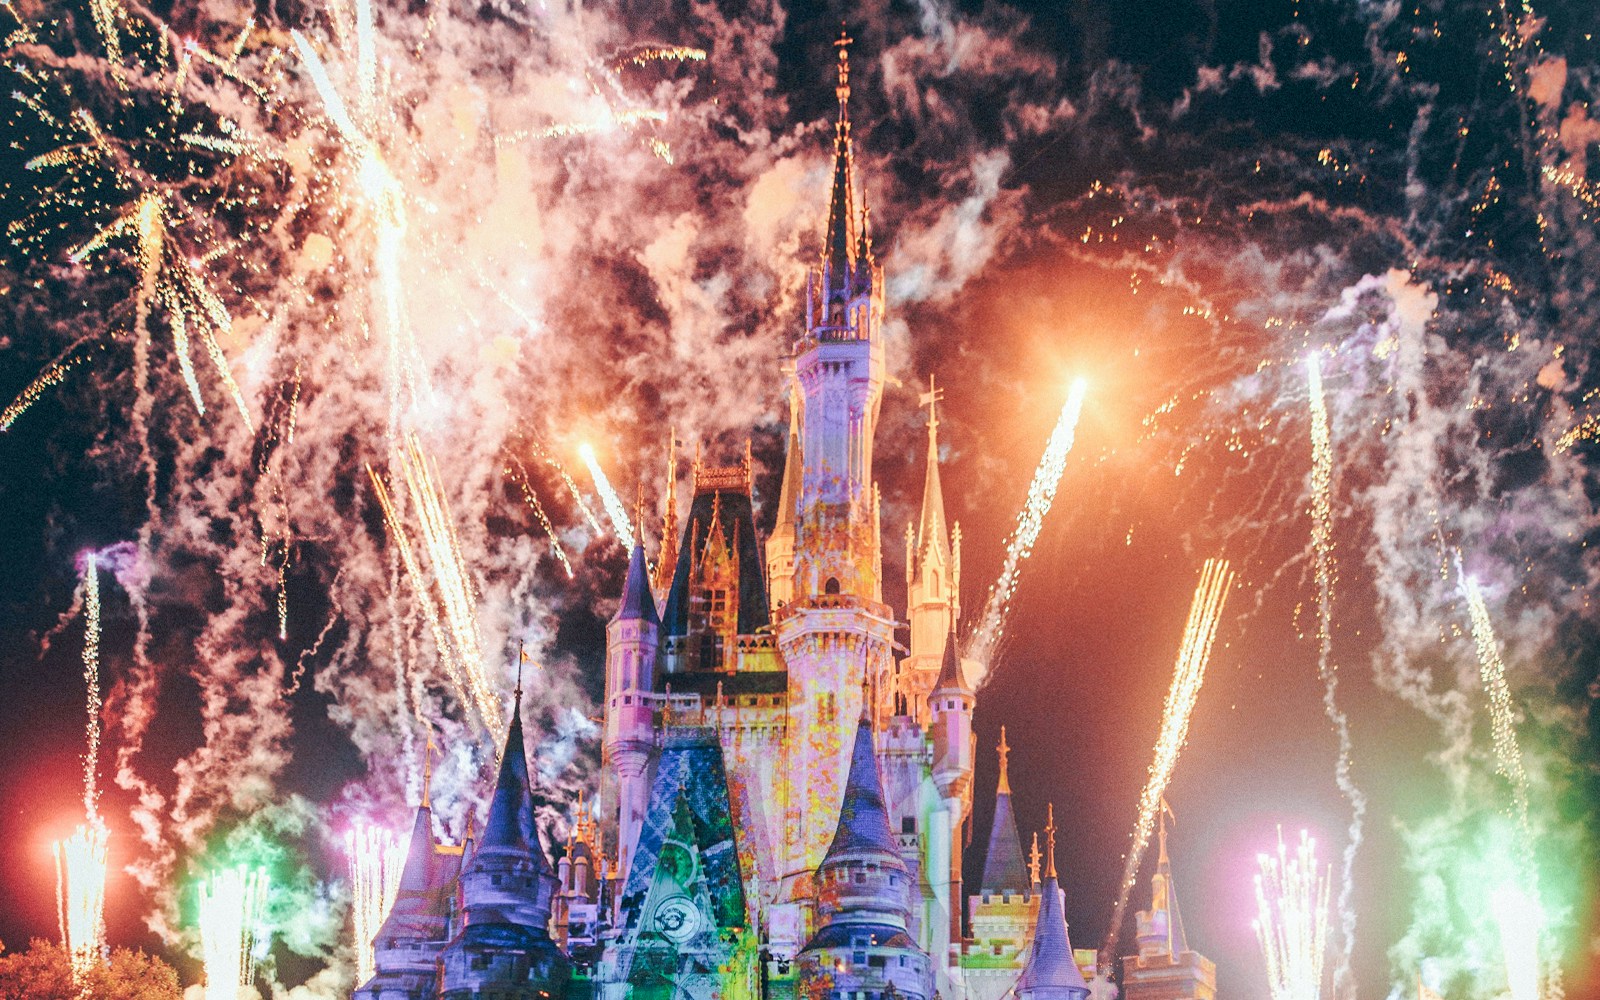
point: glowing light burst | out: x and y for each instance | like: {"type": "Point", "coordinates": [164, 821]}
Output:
{"type": "Point", "coordinates": [233, 936]}
{"type": "Point", "coordinates": [1519, 919]}
{"type": "Point", "coordinates": [1030, 521]}
{"type": "Point", "coordinates": [81, 858]}
{"type": "Point", "coordinates": [1327, 669]}
{"type": "Point", "coordinates": [81, 896]}
{"type": "Point", "coordinates": [445, 591]}
{"type": "Point", "coordinates": [608, 496]}
{"type": "Point", "coordinates": [1205, 615]}
{"type": "Point", "coordinates": [377, 857]}
{"type": "Point", "coordinates": [1292, 919]}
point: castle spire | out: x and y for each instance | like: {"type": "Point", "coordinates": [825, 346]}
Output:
{"type": "Point", "coordinates": [839, 250]}
{"type": "Point", "coordinates": [667, 556]}
{"type": "Point", "coordinates": [427, 772]}
{"type": "Point", "coordinates": [932, 537]}
{"type": "Point", "coordinates": [1002, 865]}
{"type": "Point", "coordinates": [1052, 972]}
{"type": "Point", "coordinates": [637, 602]}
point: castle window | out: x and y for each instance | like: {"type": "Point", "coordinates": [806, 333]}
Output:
{"type": "Point", "coordinates": [832, 586]}
{"type": "Point", "coordinates": [861, 877]}
{"type": "Point", "coordinates": [908, 824]}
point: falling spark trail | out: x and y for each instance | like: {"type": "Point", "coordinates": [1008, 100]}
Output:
{"type": "Point", "coordinates": [450, 603]}
{"type": "Point", "coordinates": [53, 375]}
{"type": "Point", "coordinates": [1292, 922]}
{"type": "Point", "coordinates": [1205, 615]}
{"type": "Point", "coordinates": [1492, 670]}
{"type": "Point", "coordinates": [1519, 921]}
{"type": "Point", "coordinates": [1327, 669]}
{"type": "Point", "coordinates": [81, 858]}
{"type": "Point", "coordinates": [520, 475]}
{"type": "Point", "coordinates": [608, 496]}
{"type": "Point", "coordinates": [376, 859]}
{"type": "Point", "coordinates": [577, 497]}
{"type": "Point", "coordinates": [232, 905]}
{"type": "Point", "coordinates": [1030, 521]}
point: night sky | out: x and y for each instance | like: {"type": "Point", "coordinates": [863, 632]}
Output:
{"type": "Point", "coordinates": [1177, 201]}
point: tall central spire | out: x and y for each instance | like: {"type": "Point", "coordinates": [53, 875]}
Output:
{"type": "Point", "coordinates": [839, 252]}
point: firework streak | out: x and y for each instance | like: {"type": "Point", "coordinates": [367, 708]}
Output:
{"type": "Point", "coordinates": [232, 904]}
{"type": "Point", "coordinates": [1205, 613]}
{"type": "Point", "coordinates": [1292, 925]}
{"type": "Point", "coordinates": [376, 859]}
{"type": "Point", "coordinates": [1030, 521]}
{"type": "Point", "coordinates": [1492, 669]}
{"type": "Point", "coordinates": [450, 603]}
{"type": "Point", "coordinates": [81, 858]}
{"type": "Point", "coordinates": [608, 496]}
{"type": "Point", "coordinates": [1327, 669]}
{"type": "Point", "coordinates": [519, 474]}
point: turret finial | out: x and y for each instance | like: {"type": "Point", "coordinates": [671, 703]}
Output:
{"type": "Point", "coordinates": [1005, 752]}
{"type": "Point", "coordinates": [427, 771]}
{"type": "Point", "coordinates": [1033, 860]}
{"type": "Point", "coordinates": [1050, 842]}
{"type": "Point", "coordinates": [522, 657]}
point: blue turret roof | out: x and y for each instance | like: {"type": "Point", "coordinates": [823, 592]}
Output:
{"type": "Point", "coordinates": [1051, 973]}
{"type": "Point", "coordinates": [863, 817]}
{"type": "Point", "coordinates": [1003, 870]}
{"type": "Point", "coordinates": [511, 822]}
{"type": "Point", "coordinates": [637, 603]}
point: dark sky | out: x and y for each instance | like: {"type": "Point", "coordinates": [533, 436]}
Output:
{"type": "Point", "coordinates": [1176, 200]}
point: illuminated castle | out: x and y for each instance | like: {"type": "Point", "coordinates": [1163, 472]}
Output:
{"type": "Point", "coordinates": [784, 799]}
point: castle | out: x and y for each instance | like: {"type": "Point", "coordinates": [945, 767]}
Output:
{"type": "Point", "coordinates": [787, 798]}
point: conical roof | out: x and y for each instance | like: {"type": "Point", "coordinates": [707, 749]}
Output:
{"type": "Point", "coordinates": [512, 822]}
{"type": "Point", "coordinates": [637, 603]}
{"type": "Point", "coordinates": [933, 537]}
{"type": "Point", "coordinates": [951, 676]}
{"type": "Point", "coordinates": [863, 816]}
{"type": "Point", "coordinates": [1003, 869]}
{"type": "Point", "coordinates": [1051, 973]}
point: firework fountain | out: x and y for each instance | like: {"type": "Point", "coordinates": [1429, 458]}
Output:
{"type": "Point", "coordinates": [231, 910]}
{"type": "Point", "coordinates": [377, 857]}
{"type": "Point", "coordinates": [1205, 615]}
{"type": "Point", "coordinates": [1292, 919]}
{"type": "Point", "coordinates": [1030, 521]}
{"type": "Point", "coordinates": [1326, 569]}
{"type": "Point", "coordinates": [81, 857]}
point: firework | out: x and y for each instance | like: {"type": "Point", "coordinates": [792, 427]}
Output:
{"type": "Point", "coordinates": [447, 595]}
{"type": "Point", "coordinates": [81, 896]}
{"type": "Point", "coordinates": [1492, 670]}
{"type": "Point", "coordinates": [519, 473]}
{"type": "Point", "coordinates": [81, 858]}
{"type": "Point", "coordinates": [1041, 494]}
{"type": "Point", "coordinates": [1292, 921]}
{"type": "Point", "coordinates": [608, 496]}
{"type": "Point", "coordinates": [52, 375]}
{"type": "Point", "coordinates": [376, 859]}
{"type": "Point", "coordinates": [232, 910]}
{"type": "Point", "coordinates": [577, 497]}
{"type": "Point", "coordinates": [1519, 920]}
{"type": "Point", "coordinates": [1205, 614]}
{"type": "Point", "coordinates": [1326, 575]}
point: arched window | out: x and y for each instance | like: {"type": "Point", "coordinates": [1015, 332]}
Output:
{"type": "Point", "coordinates": [832, 586]}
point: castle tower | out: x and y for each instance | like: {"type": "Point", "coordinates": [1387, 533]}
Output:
{"type": "Point", "coordinates": [950, 706]}
{"type": "Point", "coordinates": [861, 945]}
{"type": "Point", "coordinates": [1003, 912]}
{"type": "Point", "coordinates": [632, 637]}
{"type": "Point", "coordinates": [503, 949]}
{"type": "Point", "coordinates": [834, 631]}
{"type": "Point", "coordinates": [1052, 971]}
{"type": "Point", "coordinates": [579, 900]}
{"type": "Point", "coordinates": [932, 576]}
{"type": "Point", "coordinates": [1165, 968]}
{"type": "Point", "coordinates": [839, 367]}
